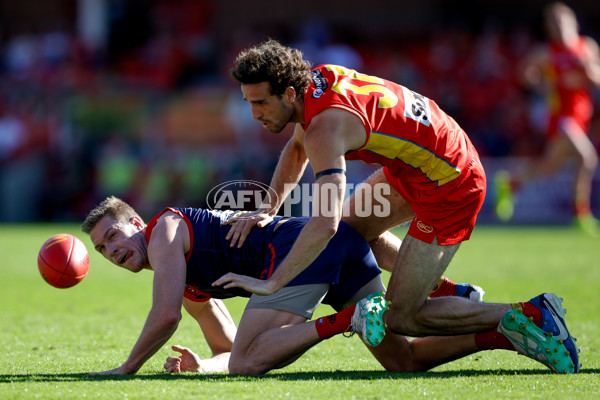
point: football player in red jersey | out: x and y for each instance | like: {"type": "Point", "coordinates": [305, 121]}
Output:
{"type": "Point", "coordinates": [565, 70]}
{"type": "Point", "coordinates": [431, 174]}
{"type": "Point", "coordinates": [186, 249]}
{"type": "Point", "coordinates": [430, 169]}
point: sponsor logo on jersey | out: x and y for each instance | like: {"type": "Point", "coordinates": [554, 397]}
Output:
{"type": "Point", "coordinates": [423, 227]}
{"type": "Point", "coordinates": [320, 83]}
{"type": "Point", "coordinates": [416, 107]}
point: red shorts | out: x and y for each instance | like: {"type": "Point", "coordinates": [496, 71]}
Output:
{"type": "Point", "coordinates": [447, 212]}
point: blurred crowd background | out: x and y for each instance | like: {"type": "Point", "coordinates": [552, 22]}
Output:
{"type": "Point", "coordinates": [133, 98]}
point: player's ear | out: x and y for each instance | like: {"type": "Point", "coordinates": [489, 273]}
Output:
{"type": "Point", "coordinates": [137, 222]}
{"type": "Point", "coordinates": [290, 94]}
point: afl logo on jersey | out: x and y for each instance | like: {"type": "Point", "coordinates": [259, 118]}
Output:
{"type": "Point", "coordinates": [423, 227]}
{"type": "Point", "coordinates": [320, 83]}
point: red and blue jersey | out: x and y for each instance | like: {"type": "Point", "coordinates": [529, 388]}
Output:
{"type": "Point", "coordinates": [406, 132]}
{"type": "Point", "coordinates": [347, 263]}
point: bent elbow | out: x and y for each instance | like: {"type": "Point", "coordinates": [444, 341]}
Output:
{"type": "Point", "coordinates": [171, 319]}
{"type": "Point", "coordinates": [327, 230]}
{"type": "Point", "coordinates": [331, 231]}
{"type": "Point", "coordinates": [325, 233]}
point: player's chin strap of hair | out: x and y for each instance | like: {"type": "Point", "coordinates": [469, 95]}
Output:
{"type": "Point", "coordinates": [329, 171]}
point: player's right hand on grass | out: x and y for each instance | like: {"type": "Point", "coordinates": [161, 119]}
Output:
{"type": "Point", "coordinates": [243, 223]}
{"type": "Point", "coordinates": [187, 362]}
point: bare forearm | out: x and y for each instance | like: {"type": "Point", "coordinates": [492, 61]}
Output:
{"type": "Point", "coordinates": [292, 340]}
{"type": "Point", "coordinates": [153, 337]}
{"type": "Point", "coordinates": [591, 63]}
{"type": "Point", "coordinates": [310, 243]}
{"type": "Point", "coordinates": [288, 172]}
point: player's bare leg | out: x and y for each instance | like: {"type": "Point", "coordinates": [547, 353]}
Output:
{"type": "Point", "coordinates": [420, 276]}
{"type": "Point", "coordinates": [570, 144]}
{"type": "Point", "coordinates": [398, 354]}
{"type": "Point", "coordinates": [374, 228]}
{"type": "Point", "coordinates": [418, 267]}
{"type": "Point", "coordinates": [559, 150]}
{"type": "Point", "coordinates": [385, 249]}
{"type": "Point", "coordinates": [269, 339]}
{"type": "Point", "coordinates": [556, 154]}
{"type": "Point", "coordinates": [587, 162]}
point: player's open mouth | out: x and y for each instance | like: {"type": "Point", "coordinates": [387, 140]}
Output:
{"type": "Point", "coordinates": [124, 258]}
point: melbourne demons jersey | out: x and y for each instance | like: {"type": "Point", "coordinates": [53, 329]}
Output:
{"type": "Point", "coordinates": [568, 98]}
{"type": "Point", "coordinates": [406, 132]}
{"type": "Point", "coordinates": [211, 257]}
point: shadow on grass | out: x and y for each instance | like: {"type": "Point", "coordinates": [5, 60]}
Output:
{"type": "Point", "coordinates": [287, 376]}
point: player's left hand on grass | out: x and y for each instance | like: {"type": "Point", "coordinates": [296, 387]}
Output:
{"type": "Point", "coordinates": [187, 362]}
{"type": "Point", "coordinates": [253, 285]}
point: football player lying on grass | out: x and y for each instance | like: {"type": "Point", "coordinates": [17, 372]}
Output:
{"type": "Point", "coordinates": [187, 250]}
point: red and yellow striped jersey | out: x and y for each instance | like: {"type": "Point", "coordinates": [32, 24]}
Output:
{"type": "Point", "coordinates": [406, 131]}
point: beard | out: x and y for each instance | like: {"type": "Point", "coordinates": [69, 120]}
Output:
{"type": "Point", "coordinates": [276, 128]}
{"type": "Point", "coordinates": [277, 124]}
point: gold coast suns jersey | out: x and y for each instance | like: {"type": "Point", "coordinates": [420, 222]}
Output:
{"type": "Point", "coordinates": [570, 90]}
{"type": "Point", "coordinates": [406, 132]}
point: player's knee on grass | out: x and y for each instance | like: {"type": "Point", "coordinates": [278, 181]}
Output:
{"type": "Point", "coordinates": [247, 367]}
{"type": "Point", "coordinates": [404, 322]}
{"type": "Point", "coordinates": [396, 354]}
{"type": "Point", "coordinates": [259, 364]}
{"type": "Point", "coordinates": [396, 361]}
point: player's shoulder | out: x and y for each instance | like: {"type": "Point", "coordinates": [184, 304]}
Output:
{"type": "Point", "coordinates": [169, 227]}
{"type": "Point", "coordinates": [170, 213]}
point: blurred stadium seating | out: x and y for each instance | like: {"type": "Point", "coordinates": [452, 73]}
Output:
{"type": "Point", "coordinates": [132, 97]}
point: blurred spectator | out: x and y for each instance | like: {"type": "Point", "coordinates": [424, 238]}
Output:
{"type": "Point", "coordinates": [83, 120]}
{"type": "Point", "coordinates": [117, 169]}
{"type": "Point", "coordinates": [321, 43]}
{"type": "Point", "coordinates": [21, 167]}
{"type": "Point", "coordinates": [565, 70]}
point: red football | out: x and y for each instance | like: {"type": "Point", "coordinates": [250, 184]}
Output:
{"type": "Point", "coordinates": [63, 260]}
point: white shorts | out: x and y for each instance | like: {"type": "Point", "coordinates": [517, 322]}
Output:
{"type": "Point", "coordinates": [303, 300]}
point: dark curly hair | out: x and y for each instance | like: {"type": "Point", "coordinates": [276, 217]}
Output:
{"type": "Point", "coordinates": [272, 62]}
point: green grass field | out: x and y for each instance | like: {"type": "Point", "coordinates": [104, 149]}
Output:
{"type": "Point", "coordinates": [51, 338]}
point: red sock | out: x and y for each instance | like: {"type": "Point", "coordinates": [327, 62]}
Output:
{"type": "Point", "coordinates": [334, 324]}
{"type": "Point", "coordinates": [491, 340]}
{"type": "Point", "coordinates": [582, 208]}
{"type": "Point", "coordinates": [529, 310]}
{"type": "Point", "coordinates": [444, 288]}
